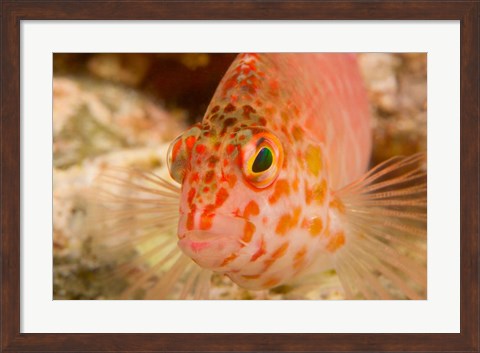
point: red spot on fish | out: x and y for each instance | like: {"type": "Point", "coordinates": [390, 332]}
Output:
{"type": "Point", "coordinates": [206, 220]}
{"type": "Point", "coordinates": [190, 142]}
{"type": "Point", "coordinates": [247, 110]}
{"type": "Point", "coordinates": [200, 148]}
{"type": "Point", "coordinates": [191, 195]}
{"type": "Point", "coordinates": [176, 149]}
{"type": "Point", "coordinates": [230, 148]}
{"type": "Point", "coordinates": [209, 176]}
{"type": "Point", "coordinates": [229, 108]}
{"type": "Point", "coordinates": [194, 178]}
{"type": "Point", "coordinates": [212, 161]}
{"type": "Point", "coordinates": [221, 197]}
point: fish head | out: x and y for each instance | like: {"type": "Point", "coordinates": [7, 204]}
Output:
{"type": "Point", "coordinates": [245, 201]}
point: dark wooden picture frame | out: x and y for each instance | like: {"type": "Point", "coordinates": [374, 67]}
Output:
{"type": "Point", "coordinates": [13, 12]}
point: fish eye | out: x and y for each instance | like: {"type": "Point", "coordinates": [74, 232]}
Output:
{"type": "Point", "coordinates": [175, 159]}
{"type": "Point", "coordinates": [262, 159]}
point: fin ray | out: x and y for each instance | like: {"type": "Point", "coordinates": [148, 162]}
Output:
{"type": "Point", "coordinates": [385, 221]}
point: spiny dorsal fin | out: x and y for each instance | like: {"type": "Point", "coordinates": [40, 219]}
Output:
{"type": "Point", "coordinates": [385, 217]}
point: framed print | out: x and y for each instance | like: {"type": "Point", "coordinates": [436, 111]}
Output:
{"type": "Point", "coordinates": [123, 79]}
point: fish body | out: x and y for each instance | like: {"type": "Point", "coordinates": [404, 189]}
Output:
{"type": "Point", "coordinates": [306, 118]}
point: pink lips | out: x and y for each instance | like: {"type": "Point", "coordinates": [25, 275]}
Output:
{"type": "Point", "coordinates": [209, 248]}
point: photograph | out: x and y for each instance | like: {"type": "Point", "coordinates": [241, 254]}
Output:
{"type": "Point", "coordinates": [240, 176]}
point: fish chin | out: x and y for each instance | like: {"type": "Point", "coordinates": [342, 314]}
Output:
{"type": "Point", "coordinates": [209, 250]}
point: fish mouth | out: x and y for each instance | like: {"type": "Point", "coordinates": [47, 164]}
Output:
{"type": "Point", "coordinates": [210, 248]}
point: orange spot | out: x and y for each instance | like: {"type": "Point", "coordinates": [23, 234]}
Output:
{"type": "Point", "coordinates": [319, 192]}
{"type": "Point", "coordinates": [305, 223]}
{"type": "Point", "coordinates": [336, 241]}
{"type": "Point", "coordinates": [313, 158]}
{"type": "Point", "coordinates": [316, 227]}
{"type": "Point", "coordinates": [231, 180]}
{"type": "Point", "coordinates": [206, 221]}
{"type": "Point", "coordinates": [297, 133]}
{"type": "Point", "coordinates": [296, 216]}
{"type": "Point", "coordinates": [308, 195]}
{"type": "Point", "coordinates": [295, 184]}
{"type": "Point", "coordinates": [274, 85]}
{"type": "Point", "coordinates": [261, 251]}
{"type": "Point", "coordinates": [288, 136]}
{"type": "Point", "coordinates": [221, 197]}
{"type": "Point", "coordinates": [299, 258]}
{"type": "Point", "coordinates": [287, 221]}
{"type": "Point", "coordinates": [282, 249]}
{"type": "Point", "coordinates": [228, 259]}
{"type": "Point", "coordinates": [281, 188]}
{"type": "Point", "coordinates": [272, 282]}
{"type": "Point", "coordinates": [338, 205]}
{"type": "Point", "coordinates": [283, 224]}
{"type": "Point", "coordinates": [248, 232]}
{"type": "Point", "coordinates": [251, 209]}
{"type": "Point", "coordinates": [278, 253]}
{"type": "Point", "coordinates": [251, 276]}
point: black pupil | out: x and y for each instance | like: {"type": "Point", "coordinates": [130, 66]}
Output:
{"type": "Point", "coordinates": [263, 161]}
